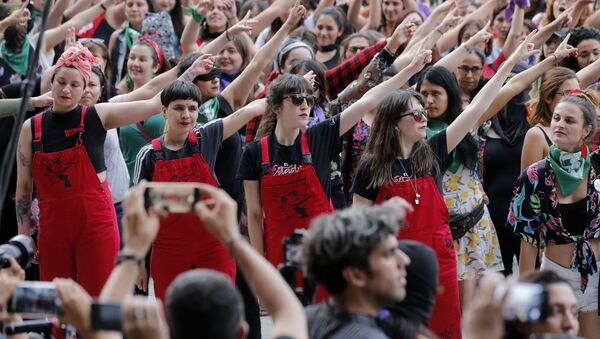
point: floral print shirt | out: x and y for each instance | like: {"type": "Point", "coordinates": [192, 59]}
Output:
{"type": "Point", "coordinates": [534, 215]}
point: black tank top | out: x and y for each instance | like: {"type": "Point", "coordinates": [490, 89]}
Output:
{"type": "Point", "coordinates": [574, 216]}
{"type": "Point", "coordinates": [548, 140]}
{"type": "Point", "coordinates": [53, 134]}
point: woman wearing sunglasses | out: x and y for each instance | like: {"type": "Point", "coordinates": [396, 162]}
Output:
{"type": "Point", "coordinates": [286, 172]}
{"type": "Point", "coordinates": [399, 162]}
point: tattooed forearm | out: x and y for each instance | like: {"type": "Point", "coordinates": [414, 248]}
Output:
{"type": "Point", "coordinates": [23, 209]}
{"type": "Point", "coordinates": [23, 160]}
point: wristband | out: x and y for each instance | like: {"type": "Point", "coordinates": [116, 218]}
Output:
{"type": "Point", "coordinates": [469, 49]}
{"type": "Point", "coordinates": [227, 31]}
{"type": "Point", "coordinates": [103, 7]}
{"type": "Point", "coordinates": [439, 31]}
{"type": "Point", "coordinates": [128, 257]}
{"type": "Point", "coordinates": [555, 59]}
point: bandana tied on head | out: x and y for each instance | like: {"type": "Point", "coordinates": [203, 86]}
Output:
{"type": "Point", "coordinates": [570, 168]}
{"type": "Point", "coordinates": [78, 57]}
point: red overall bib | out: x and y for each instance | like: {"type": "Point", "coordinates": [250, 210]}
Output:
{"type": "Point", "coordinates": [290, 200]}
{"type": "Point", "coordinates": [78, 236]}
{"type": "Point", "coordinates": [183, 243]}
{"type": "Point", "coordinates": [428, 224]}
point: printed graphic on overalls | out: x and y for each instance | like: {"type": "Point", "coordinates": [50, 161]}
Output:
{"type": "Point", "coordinates": [56, 171]}
{"type": "Point", "coordinates": [292, 203]}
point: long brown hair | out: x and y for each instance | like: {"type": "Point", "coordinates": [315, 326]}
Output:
{"type": "Point", "coordinates": [384, 142]}
{"type": "Point", "coordinates": [544, 91]}
{"type": "Point", "coordinates": [285, 84]}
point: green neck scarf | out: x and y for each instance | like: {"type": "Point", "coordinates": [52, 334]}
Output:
{"type": "Point", "coordinates": [131, 35]}
{"type": "Point", "coordinates": [209, 110]}
{"type": "Point", "coordinates": [570, 168]}
{"type": "Point", "coordinates": [17, 61]}
{"type": "Point", "coordinates": [433, 127]}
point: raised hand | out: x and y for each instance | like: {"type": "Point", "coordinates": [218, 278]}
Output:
{"type": "Point", "coordinates": [421, 58]}
{"type": "Point", "coordinates": [70, 38]}
{"type": "Point", "coordinates": [243, 26]}
{"type": "Point", "coordinates": [229, 9]}
{"type": "Point", "coordinates": [297, 13]}
{"type": "Point", "coordinates": [310, 76]}
{"type": "Point", "coordinates": [203, 65]}
{"type": "Point", "coordinates": [20, 16]}
{"type": "Point", "coordinates": [204, 6]}
{"type": "Point", "coordinates": [563, 20]}
{"type": "Point", "coordinates": [450, 21]}
{"type": "Point", "coordinates": [218, 213]}
{"type": "Point", "coordinates": [525, 49]}
{"type": "Point", "coordinates": [403, 33]}
{"type": "Point", "coordinates": [564, 50]}
{"type": "Point", "coordinates": [483, 36]}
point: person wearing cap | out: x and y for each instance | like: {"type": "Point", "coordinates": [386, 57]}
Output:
{"type": "Point", "coordinates": [61, 151]}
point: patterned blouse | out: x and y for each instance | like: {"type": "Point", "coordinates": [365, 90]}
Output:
{"type": "Point", "coordinates": [534, 215]}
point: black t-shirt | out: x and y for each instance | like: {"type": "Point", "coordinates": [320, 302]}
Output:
{"type": "Point", "coordinates": [326, 321]}
{"type": "Point", "coordinates": [209, 140]}
{"type": "Point", "coordinates": [53, 133]}
{"type": "Point", "coordinates": [324, 143]}
{"type": "Point", "coordinates": [229, 157]}
{"type": "Point", "coordinates": [440, 150]}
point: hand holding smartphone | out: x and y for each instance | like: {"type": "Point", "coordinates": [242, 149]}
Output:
{"type": "Point", "coordinates": [171, 197]}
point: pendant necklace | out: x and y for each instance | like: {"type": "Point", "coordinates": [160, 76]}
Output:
{"type": "Point", "coordinates": [415, 186]}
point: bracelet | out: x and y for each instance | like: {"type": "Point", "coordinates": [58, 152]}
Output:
{"type": "Point", "coordinates": [195, 15]}
{"type": "Point", "coordinates": [103, 7]}
{"type": "Point", "coordinates": [439, 31]}
{"type": "Point", "coordinates": [128, 257]}
{"type": "Point", "coordinates": [555, 59]}
{"type": "Point", "coordinates": [469, 49]}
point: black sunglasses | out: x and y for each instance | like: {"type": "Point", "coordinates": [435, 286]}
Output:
{"type": "Point", "coordinates": [298, 99]}
{"type": "Point", "coordinates": [417, 114]}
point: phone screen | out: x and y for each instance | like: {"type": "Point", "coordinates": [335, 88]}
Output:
{"type": "Point", "coordinates": [106, 317]}
{"type": "Point", "coordinates": [171, 197]}
{"type": "Point", "coordinates": [596, 5]}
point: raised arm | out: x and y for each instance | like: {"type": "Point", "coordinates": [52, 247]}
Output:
{"type": "Point", "coordinates": [57, 12]}
{"type": "Point", "coordinates": [513, 39]}
{"type": "Point", "coordinates": [523, 80]}
{"type": "Point", "coordinates": [237, 92]}
{"type": "Point", "coordinates": [264, 19]}
{"type": "Point", "coordinates": [456, 57]}
{"type": "Point", "coordinates": [432, 20]}
{"type": "Point", "coordinates": [242, 27]}
{"type": "Point", "coordinates": [469, 117]}
{"type": "Point", "coordinates": [192, 28]}
{"type": "Point", "coordinates": [265, 282]}
{"type": "Point", "coordinates": [20, 16]}
{"type": "Point", "coordinates": [56, 35]}
{"type": "Point", "coordinates": [589, 74]}
{"type": "Point", "coordinates": [375, 16]}
{"type": "Point", "coordinates": [233, 122]}
{"type": "Point", "coordinates": [375, 96]}
{"type": "Point", "coordinates": [353, 15]}
{"type": "Point", "coordinates": [544, 33]}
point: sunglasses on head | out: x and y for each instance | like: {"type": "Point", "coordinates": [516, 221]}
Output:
{"type": "Point", "coordinates": [298, 99]}
{"type": "Point", "coordinates": [417, 114]}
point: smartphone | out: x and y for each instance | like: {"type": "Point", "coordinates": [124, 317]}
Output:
{"type": "Point", "coordinates": [34, 299]}
{"type": "Point", "coordinates": [525, 302]}
{"type": "Point", "coordinates": [171, 197]}
{"type": "Point", "coordinates": [106, 316]}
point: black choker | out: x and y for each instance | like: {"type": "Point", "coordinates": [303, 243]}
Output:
{"type": "Point", "coordinates": [328, 48]}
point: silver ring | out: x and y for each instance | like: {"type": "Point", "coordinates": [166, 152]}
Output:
{"type": "Point", "coordinates": [138, 314]}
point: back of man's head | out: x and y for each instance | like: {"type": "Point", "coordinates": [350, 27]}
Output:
{"type": "Point", "coordinates": [204, 304]}
{"type": "Point", "coordinates": [346, 238]}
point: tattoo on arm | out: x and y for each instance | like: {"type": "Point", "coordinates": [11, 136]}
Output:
{"type": "Point", "coordinates": [22, 158]}
{"type": "Point", "coordinates": [23, 209]}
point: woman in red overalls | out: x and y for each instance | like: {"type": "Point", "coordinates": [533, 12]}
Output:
{"type": "Point", "coordinates": [286, 172]}
{"type": "Point", "coordinates": [399, 162]}
{"type": "Point", "coordinates": [62, 152]}
{"type": "Point", "coordinates": [187, 154]}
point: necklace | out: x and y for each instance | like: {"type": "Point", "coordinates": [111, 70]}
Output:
{"type": "Point", "coordinates": [414, 187]}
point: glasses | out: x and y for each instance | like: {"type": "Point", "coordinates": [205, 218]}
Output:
{"type": "Point", "coordinates": [356, 49]}
{"type": "Point", "coordinates": [568, 92]}
{"type": "Point", "coordinates": [466, 69]}
{"type": "Point", "coordinates": [298, 99]}
{"type": "Point", "coordinates": [417, 114]}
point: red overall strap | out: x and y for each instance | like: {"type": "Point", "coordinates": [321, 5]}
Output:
{"type": "Point", "coordinates": [306, 157]}
{"type": "Point", "coordinates": [265, 164]}
{"type": "Point", "coordinates": [37, 123]}
{"type": "Point", "coordinates": [142, 130]}
{"type": "Point", "coordinates": [79, 129]}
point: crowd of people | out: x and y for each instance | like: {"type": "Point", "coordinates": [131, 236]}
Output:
{"type": "Point", "coordinates": [469, 125]}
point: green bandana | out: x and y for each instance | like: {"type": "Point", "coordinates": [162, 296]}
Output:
{"type": "Point", "coordinates": [209, 110]}
{"type": "Point", "coordinates": [570, 168]}
{"type": "Point", "coordinates": [433, 127]}
{"type": "Point", "coordinates": [131, 35]}
{"type": "Point", "coordinates": [17, 61]}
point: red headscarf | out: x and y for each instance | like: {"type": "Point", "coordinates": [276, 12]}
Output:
{"type": "Point", "coordinates": [78, 57]}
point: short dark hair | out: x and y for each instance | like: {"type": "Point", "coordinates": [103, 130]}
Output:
{"type": "Point", "coordinates": [203, 303]}
{"type": "Point", "coordinates": [180, 89]}
{"type": "Point", "coordinates": [346, 238]}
